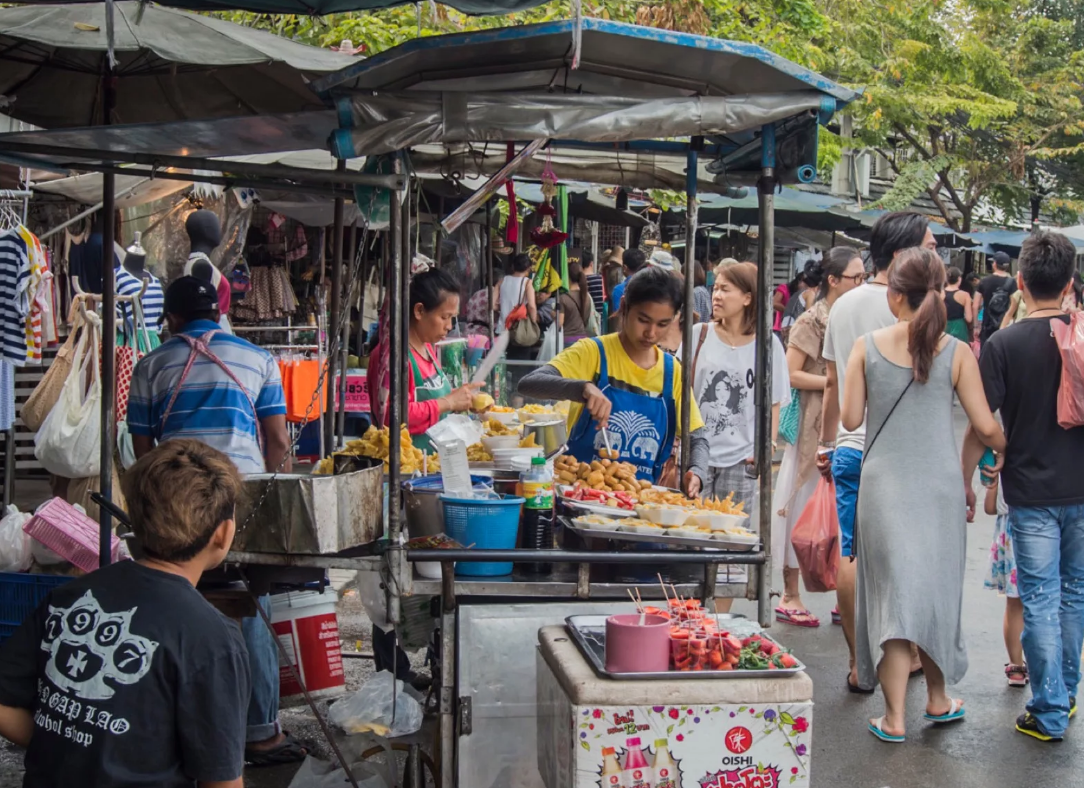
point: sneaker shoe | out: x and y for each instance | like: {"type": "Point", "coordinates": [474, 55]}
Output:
{"type": "Point", "coordinates": [1072, 708]}
{"type": "Point", "coordinates": [1030, 726]}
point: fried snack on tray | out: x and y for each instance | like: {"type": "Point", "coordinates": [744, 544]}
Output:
{"type": "Point", "coordinates": [375, 443]}
{"type": "Point", "coordinates": [529, 442]}
{"type": "Point", "coordinates": [536, 409]}
{"type": "Point", "coordinates": [495, 429]}
{"type": "Point", "coordinates": [476, 452]}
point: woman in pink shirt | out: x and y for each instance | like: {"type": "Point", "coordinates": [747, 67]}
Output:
{"type": "Point", "coordinates": [434, 303]}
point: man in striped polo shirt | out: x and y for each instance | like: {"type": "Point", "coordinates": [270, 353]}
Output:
{"type": "Point", "coordinates": [222, 390]}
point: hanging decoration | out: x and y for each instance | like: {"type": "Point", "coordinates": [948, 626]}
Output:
{"type": "Point", "coordinates": [546, 235]}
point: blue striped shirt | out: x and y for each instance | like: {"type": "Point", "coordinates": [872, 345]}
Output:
{"type": "Point", "coordinates": [210, 406]}
{"type": "Point", "coordinates": [153, 301]}
{"type": "Point", "coordinates": [14, 297]}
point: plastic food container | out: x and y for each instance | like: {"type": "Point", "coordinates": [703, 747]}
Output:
{"type": "Point", "coordinates": [507, 418]}
{"type": "Point", "coordinates": [670, 517]}
{"type": "Point", "coordinates": [637, 643]}
{"type": "Point", "coordinates": [717, 521]}
{"type": "Point", "coordinates": [500, 442]}
{"type": "Point", "coordinates": [598, 523]}
{"type": "Point", "coordinates": [547, 415]}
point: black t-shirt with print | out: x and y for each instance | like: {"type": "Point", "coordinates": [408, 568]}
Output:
{"type": "Point", "coordinates": [1021, 372]}
{"type": "Point", "coordinates": [133, 679]}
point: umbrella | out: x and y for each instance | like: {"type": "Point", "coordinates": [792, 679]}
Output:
{"type": "Point", "coordinates": [171, 66]}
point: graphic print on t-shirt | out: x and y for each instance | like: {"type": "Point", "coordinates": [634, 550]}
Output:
{"type": "Point", "coordinates": [633, 434]}
{"type": "Point", "coordinates": [725, 400]}
{"type": "Point", "coordinates": [92, 651]}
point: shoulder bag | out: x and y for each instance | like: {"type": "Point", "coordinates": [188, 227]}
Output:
{"type": "Point", "coordinates": [525, 332]}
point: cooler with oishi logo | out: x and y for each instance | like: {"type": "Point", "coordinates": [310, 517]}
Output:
{"type": "Point", "coordinates": [596, 732]}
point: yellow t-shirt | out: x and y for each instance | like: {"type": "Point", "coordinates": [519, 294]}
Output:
{"type": "Point", "coordinates": [581, 362]}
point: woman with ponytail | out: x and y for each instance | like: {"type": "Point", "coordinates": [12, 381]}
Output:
{"type": "Point", "coordinates": [910, 529]}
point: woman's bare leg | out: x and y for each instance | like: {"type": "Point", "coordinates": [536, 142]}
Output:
{"type": "Point", "coordinates": [1013, 628]}
{"type": "Point", "coordinates": [893, 671]}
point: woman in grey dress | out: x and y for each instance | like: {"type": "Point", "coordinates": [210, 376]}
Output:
{"type": "Point", "coordinates": [910, 532]}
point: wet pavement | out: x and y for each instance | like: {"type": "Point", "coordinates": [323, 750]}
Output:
{"type": "Point", "coordinates": [984, 751]}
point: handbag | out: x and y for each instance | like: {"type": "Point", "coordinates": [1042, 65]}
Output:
{"type": "Point", "coordinates": [790, 419]}
{"type": "Point", "coordinates": [670, 476]}
{"type": "Point", "coordinates": [525, 332]}
{"type": "Point", "coordinates": [137, 344]}
{"type": "Point", "coordinates": [865, 454]}
{"type": "Point", "coordinates": [44, 397]}
{"type": "Point", "coordinates": [69, 441]}
{"type": "Point", "coordinates": [1070, 339]}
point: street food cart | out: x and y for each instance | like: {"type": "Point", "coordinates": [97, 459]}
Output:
{"type": "Point", "coordinates": [616, 104]}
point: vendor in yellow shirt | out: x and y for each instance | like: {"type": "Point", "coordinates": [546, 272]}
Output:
{"type": "Point", "coordinates": [624, 384]}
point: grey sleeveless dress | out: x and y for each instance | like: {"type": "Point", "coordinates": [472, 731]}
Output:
{"type": "Point", "coordinates": [911, 531]}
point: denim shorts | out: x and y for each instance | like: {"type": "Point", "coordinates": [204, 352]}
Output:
{"type": "Point", "coordinates": [846, 470]}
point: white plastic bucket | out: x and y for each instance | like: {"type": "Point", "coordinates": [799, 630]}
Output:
{"type": "Point", "coordinates": [306, 625]}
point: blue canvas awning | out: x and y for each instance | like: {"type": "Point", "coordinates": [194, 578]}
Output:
{"type": "Point", "coordinates": [862, 221]}
{"type": "Point", "coordinates": [1010, 241]}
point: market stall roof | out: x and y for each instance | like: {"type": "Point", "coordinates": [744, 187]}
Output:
{"type": "Point", "coordinates": [523, 83]}
{"type": "Point", "coordinates": [862, 221]}
{"type": "Point", "coordinates": [323, 7]}
{"type": "Point", "coordinates": [1010, 241]}
{"type": "Point", "coordinates": [587, 201]}
{"type": "Point", "coordinates": [132, 190]}
{"type": "Point", "coordinates": [171, 65]}
{"type": "Point", "coordinates": [793, 208]}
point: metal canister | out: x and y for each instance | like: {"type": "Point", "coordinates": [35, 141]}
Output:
{"type": "Point", "coordinates": [550, 435]}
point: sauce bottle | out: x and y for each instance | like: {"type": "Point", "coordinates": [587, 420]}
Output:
{"type": "Point", "coordinates": [536, 487]}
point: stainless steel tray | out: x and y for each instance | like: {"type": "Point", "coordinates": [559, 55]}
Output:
{"type": "Point", "coordinates": [662, 538]}
{"type": "Point", "coordinates": [589, 633]}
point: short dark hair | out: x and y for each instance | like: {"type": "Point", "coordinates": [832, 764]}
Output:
{"type": "Point", "coordinates": [1047, 261]}
{"type": "Point", "coordinates": [633, 260]}
{"type": "Point", "coordinates": [653, 285]}
{"type": "Point", "coordinates": [521, 262]}
{"type": "Point", "coordinates": [893, 232]}
{"type": "Point", "coordinates": [587, 259]}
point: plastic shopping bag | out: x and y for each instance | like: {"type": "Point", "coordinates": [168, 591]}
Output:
{"type": "Point", "coordinates": [1070, 339]}
{"type": "Point", "coordinates": [372, 709]}
{"type": "Point", "coordinates": [15, 553]}
{"type": "Point", "coordinates": [816, 539]}
{"type": "Point", "coordinates": [69, 441]}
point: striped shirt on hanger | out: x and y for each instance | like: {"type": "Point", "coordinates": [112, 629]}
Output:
{"type": "Point", "coordinates": [14, 297]}
{"type": "Point", "coordinates": [153, 301]}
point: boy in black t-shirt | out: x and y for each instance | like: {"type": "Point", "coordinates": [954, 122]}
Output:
{"type": "Point", "coordinates": [1021, 372]}
{"type": "Point", "coordinates": [128, 677]}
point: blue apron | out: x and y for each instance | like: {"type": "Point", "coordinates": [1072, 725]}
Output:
{"type": "Point", "coordinates": [641, 428]}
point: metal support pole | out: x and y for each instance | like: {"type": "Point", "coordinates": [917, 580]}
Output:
{"type": "Point", "coordinates": [109, 340]}
{"type": "Point", "coordinates": [763, 385]}
{"type": "Point", "coordinates": [691, 167]}
{"type": "Point", "coordinates": [404, 309]}
{"type": "Point", "coordinates": [396, 388]}
{"type": "Point", "coordinates": [489, 295]}
{"type": "Point", "coordinates": [344, 342]}
{"type": "Point", "coordinates": [334, 332]}
{"type": "Point", "coordinates": [9, 467]}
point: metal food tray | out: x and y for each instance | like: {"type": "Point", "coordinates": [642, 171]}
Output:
{"type": "Point", "coordinates": [721, 545]}
{"type": "Point", "coordinates": [589, 633]}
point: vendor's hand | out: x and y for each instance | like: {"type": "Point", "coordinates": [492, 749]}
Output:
{"type": "Point", "coordinates": [460, 400]}
{"type": "Point", "coordinates": [692, 484]}
{"type": "Point", "coordinates": [969, 495]}
{"type": "Point", "coordinates": [597, 404]}
{"type": "Point", "coordinates": [824, 464]}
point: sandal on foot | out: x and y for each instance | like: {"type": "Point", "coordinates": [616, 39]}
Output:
{"type": "Point", "coordinates": [795, 617]}
{"type": "Point", "coordinates": [289, 750]}
{"type": "Point", "coordinates": [1017, 675]}
{"type": "Point", "coordinates": [876, 727]}
{"type": "Point", "coordinates": [837, 618]}
{"type": "Point", "coordinates": [955, 713]}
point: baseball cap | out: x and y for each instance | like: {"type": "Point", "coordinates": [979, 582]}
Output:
{"type": "Point", "coordinates": [1002, 259]}
{"type": "Point", "coordinates": [189, 295]}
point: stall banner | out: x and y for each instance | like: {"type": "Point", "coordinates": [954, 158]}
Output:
{"type": "Point", "coordinates": [703, 746]}
{"type": "Point", "coordinates": [357, 392]}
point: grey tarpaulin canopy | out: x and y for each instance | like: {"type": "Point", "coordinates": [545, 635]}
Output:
{"type": "Point", "coordinates": [519, 83]}
{"type": "Point", "coordinates": [322, 7]}
{"type": "Point", "coordinates": [171, 65]}
{"type": "Point", "coordinates": [793, 208]}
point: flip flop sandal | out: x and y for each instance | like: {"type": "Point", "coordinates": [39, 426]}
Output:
{"type": "Point", "coordinates": [876, 727]}
{"type": "Point", "coordinates": [837, 619]}
{"type": "Point", "coordinates": [1017, 675]}
{"type": "Point", "coordinates": [289, 750]}
{"type": "Point", "coordinates": [797, 618]}
{"type": "Point", "coordinates": [856, 689]}
{"type": "Point", "coordinates": [955, 713]}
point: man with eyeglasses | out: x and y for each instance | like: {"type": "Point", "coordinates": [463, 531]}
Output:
{"type": "Point", "coordinates": [856, 314]}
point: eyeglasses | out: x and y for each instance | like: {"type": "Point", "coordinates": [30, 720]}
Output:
{"type": "Point", "coordinates": [857, 278]}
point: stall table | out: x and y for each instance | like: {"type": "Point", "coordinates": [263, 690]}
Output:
{"type": "Point", "coordinates": [719, 733]}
